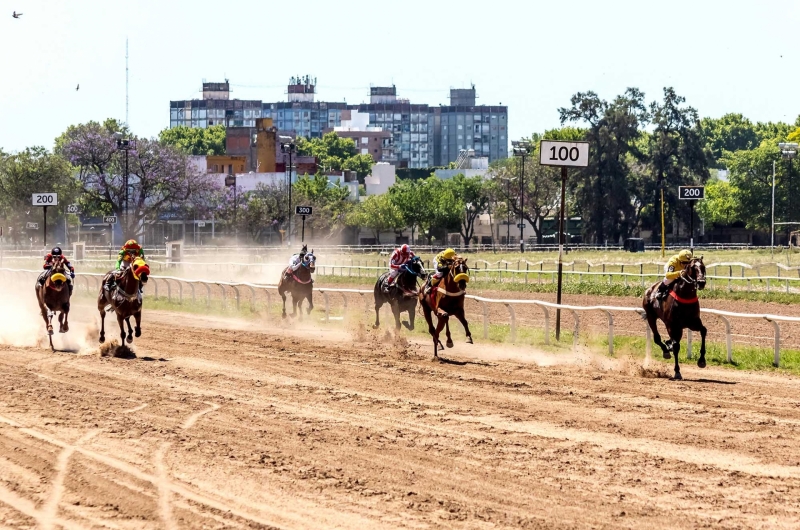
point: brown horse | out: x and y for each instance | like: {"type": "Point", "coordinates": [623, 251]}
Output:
{"type": "Point", "coordinates": [54, 296]}
{"type": "Point", "coordinates": [299, 284]}
{"type": "Point", "coordinates": [124, 299]}
{"type": "Point", "coordinates": [679, 311]}
{"type": "Point", "coordinates": [450, 296]}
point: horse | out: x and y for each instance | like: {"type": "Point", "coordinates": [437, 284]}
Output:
{"type": "Point", "coordinates": [402, 296]}
{"type": "Point", "coordinates": [125, 299]}
{"type": "Point", "coordinates": [451, 291]}
{"type": "Point", "coordinates": [54, 296]}
{"type": "Point", "coordinates": [299, 284]}
{"type": "Point", "coordinates": [679, 311]}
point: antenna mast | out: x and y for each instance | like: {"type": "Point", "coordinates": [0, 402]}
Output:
{"type": "Point", "coordinates": [126, 81]}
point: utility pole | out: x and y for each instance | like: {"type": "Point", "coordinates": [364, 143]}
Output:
{"type": "Point", "coordinates": [521, 151]}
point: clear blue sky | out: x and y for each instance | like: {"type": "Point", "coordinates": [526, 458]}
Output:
{"type": "Point", "coordinates": [723, 56]}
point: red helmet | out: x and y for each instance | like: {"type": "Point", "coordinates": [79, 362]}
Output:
{"type": "Point", "coordinates": [404, 249]}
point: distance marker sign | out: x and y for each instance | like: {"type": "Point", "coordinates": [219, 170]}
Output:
{"type": "Point", "coordinates": [44, 199]}
{"type": "Point", "coordinates": [303, 210]}
{"type": "Point", "coordinates": [556, 153]}
{"type": "Point", "coordinates": [692, 193]}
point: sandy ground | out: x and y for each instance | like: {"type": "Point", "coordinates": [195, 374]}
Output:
{"type": "Point", "coordinates": [218, 423]}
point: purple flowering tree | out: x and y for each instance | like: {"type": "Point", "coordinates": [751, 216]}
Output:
{"type": "Point", "coordinates": [161, 179]}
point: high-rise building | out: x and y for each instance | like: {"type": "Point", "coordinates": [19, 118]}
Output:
{"type": "Point", "coordinates": [419, 135]}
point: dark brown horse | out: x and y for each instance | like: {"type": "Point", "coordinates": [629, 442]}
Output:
{"type": "Point", "coordinates": [124, 299]}
{"type": "Point", "coordinates": [402, 296]}
{"type": "Point", "coordinates": [54, 296]}
{"type": "Point", "coordinates": [679, 311]}
{"type": "Point", "coordinates": [299, 284]}
{"type": "Point", "coordinates": [447, 299]}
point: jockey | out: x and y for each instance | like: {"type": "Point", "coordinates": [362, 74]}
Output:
{"type": "Point", "coordinates": [296, 261]}
{"type": "Point", "coordinates": [442, 262]}
{"type": "Point", "coordinates": [49, 261]}
{"type": "Point", "coordinates": [129, 251]}
{"type": "Point", "coordinates": [400, 257]}
{"type": "Point", "coordinates": [672, 271]}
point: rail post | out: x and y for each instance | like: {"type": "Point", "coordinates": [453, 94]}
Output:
{"type": "Point", "coordinates": [610, 332]}
{"type": "Point", "coordinates": [513, 318]}
{"type": "Point", "coordinates": [577, 328]}
{"type": "Point", "coordinates": [546, 325]}
{"type": "Point", "coordinates": [269, 299]}
{"type": "Point", "coordinates": [155, 284]}
{"type": "Point", "coordinates": [728, 340]}
{"type": "Point", "coordinates": [236, 290]}
{"type": "Point", "coordinates": [208, 294]}
{"type": "Point", "coordinates": [327, 306]}
{"type": "Point", "coordinates": [648, 340]}
{"type": "Point", "coordinates": [777, 360]}
{"type": "Point", "coordinates": [344, 308]}
{"type": "Point", "coordinates": [252, 297]}
{"type": "Point", "coordinates": [485, 308]}
{"type": "Point", "coordinates": [194, 299]}
{"type": "Point", "coordinates": [180, 292]}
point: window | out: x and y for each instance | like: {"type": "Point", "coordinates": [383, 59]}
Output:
{"type": "Point", "coordinates": [460, 126]}
{"type": "Point", "coordinates": [375, 150]}
{"type": "Point", "coordinates": [364, 141]}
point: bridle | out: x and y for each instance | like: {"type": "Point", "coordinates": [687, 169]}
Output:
{"type": "Point", "coordinates": [452, 274]}
{"type": "Point", "coordinates": [685, 276]}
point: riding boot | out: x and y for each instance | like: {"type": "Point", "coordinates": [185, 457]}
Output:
{"type": "Point", "coordinates": [70, 288]}
{"type": "Point", "coordinates": [387, 285]}
{"type": "Point", "coordinates": [663, 291]}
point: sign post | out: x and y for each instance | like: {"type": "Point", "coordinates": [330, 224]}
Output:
{"type": "Point", "coordinates": [563, 154]}
{"type": "Point", "coordinates": [111, 220]}
{"type": "Point", "coordinates": [44, 200]}
{"type": "Point", "coordinates": [303, 211]}
{"type": "Point", "coordinates": [691, 194]}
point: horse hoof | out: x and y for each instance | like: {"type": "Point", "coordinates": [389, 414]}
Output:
{"type": "Point", "coordinates": [129, 340]}
{"type": "Point", "coordinates": [138, 332]}
{"type": "Point", "coordinates": [49, 331]}
{"type": "Point", "coordinates": [701, 363]}
{"type": "Point", "coordinates": [102, 340]}
{"type": "Point", "coordinates": [283, 315]}
{"type": "Point", "coordinates": [449, 343]}
{"type": "Point", "coordinates": [66, 328]}
{"type": "Point", "coordinates": [667, 355]}
{"type": "Point", "coordinates": [469, 340]}
{"type": "Point", "coordinates": [677, 377]}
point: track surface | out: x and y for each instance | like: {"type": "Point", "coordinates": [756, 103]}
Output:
{"type": "Point", "coordinates": [220, 425]}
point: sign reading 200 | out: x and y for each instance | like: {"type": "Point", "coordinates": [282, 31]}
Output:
{"type": "Point", "coordinates": [44, 199]}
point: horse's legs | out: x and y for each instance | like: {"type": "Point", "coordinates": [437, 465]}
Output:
{"type": "Point", "coordinates": [697, 325]}
{"type": "Point", "coordinates": [463, 319]}
{"type": "Point", "coordinates": [434, 334]}
{"type": "Point", "coordinates": [130, 330]}
{"type": "Point", "coordinates": [283, 297]}
{"type": "Point", "coordinates": [102, 326]}
{"type": "Point", "coordinates": [309, 297]}
{"type": "Point", "coordinates": [138, 329]}
{"type": "Point", "coordinates": [45, 314]}
{"type": "Point", "coordinates": [653, 323]}
{"type": "Point", "coordinates": [378, 305]}
{"type": "Point", "coordinates": [396, 312]}
{"type": "Point", "coordinates": [449, 341]}
{"type": "Point", "coordinates": [676, 336]}
{"type": "Point", "coordinates": [443, 321]}
{"type": "Point", "coordinates": [121, 323]}
{"type": "Point", "coordinates": [412, 314]}
{"type": "Point", "coordinates": [295, 304]}
{"type": "Point", "coordinates": [63, 318]}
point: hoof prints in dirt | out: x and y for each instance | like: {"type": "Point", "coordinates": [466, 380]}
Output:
{"type": "Point", "coordinates": [654, 372]}
{"type": "Point", "coordinates": [114, 349]}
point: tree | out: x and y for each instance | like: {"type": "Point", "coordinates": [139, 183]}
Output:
{"type": "Point", "coordinates": [750, 174]}
{"type": "Point", "coordinates": [160, 176]}
{"type": "Point", "coordinates": [721, 203]}
{"type": "Point", "coordinates": [677, 154]}
{"type": "Point", "coordinates": [602, 190]}
{"type": "Point", "coordinates": [335, 153]}
{"type": "Point", "coordinates": [33, 170]}
{"type": "Point", "coordinates": [472, 196]}
{"type": "Point", "coordinates": [330, 203]}
{"type": "Point", "coordinates": [731, 132]}
{"type": "Point", "coordinates": [541, 188]}
{"type": "Point", "coordinates": [258, 212]}
{"type": "Point", "coordinates": [195, 140]}
{"type": "Point", "coordinates": [408, 196]}
{"type": "Point", "coordinates": [377, 213]}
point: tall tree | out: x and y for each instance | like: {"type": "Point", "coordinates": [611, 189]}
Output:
{"type": "Point", "coordinates": [160, 176]}
{"type": "Point", "coordinates": [602, 190]}
{"type": "Point", "coordinates": [472, 196]}
{"type": "Point", "coordinates": [330, 203]}
{"type": "Point", "coordinates": [677, 151]}
{"type": "Point", "coordinates": [336, 153]}
{"type": "Point", "coordinates": [410, 199]}
{"type": "Point", "coordinates": [731, 132]}
{"type": "Point", "coordinates": [378, 214]}
{"type": "Point", "coordinates": [195, 140]}
{"type": "Point", "coordinates": [33, 170]}
{"type": "Point", "coordinates": [751, 176]}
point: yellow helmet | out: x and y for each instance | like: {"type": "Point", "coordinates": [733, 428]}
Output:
{"type": "Point", "coordinates": [685, 256]}
{"type": "Point", "coordinates": [448, 253]}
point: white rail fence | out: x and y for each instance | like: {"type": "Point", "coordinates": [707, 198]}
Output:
{"type": "Point", "coordinates": [236, 289]}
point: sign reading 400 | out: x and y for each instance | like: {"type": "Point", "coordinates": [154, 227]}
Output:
{"type": "Point", "coordinates": [555, 153]}
{"type": "Point", "coordinates": [44, 199]}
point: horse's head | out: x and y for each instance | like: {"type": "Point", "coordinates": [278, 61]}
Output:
{"type": "Point", "coordinates": [460, 272]}
{"type": "Point", "coordinates": [140, 270]}
{"type": "Point", "coordinates": [695, 272]}
{"type": "Point", "coordinates": [416, 267]}
{"type": "Point", "coordinates": [58, 273]}
{"type": "Point", "coordinates": [310, 260]}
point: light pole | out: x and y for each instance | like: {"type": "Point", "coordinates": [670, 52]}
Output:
{"type": "Point", "coordinates": [288, 146]}
{"type": "Point", "coordinates": [788, 152]}
{"type": "Point", "coordinates": [230, 180]}
{"type": "Point", "coordinates": [521, 151]}
{"type": "Point", "coordinates": [508, 209]}
{"type": "Point", "coordinates": [125, 144]}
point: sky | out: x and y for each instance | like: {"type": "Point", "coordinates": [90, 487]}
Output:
{"type": "Point", "coordinates": [723, 56]}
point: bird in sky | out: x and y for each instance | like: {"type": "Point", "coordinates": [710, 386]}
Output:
{"type": "Point", "coordinates": [16, 15]}
{"type": "Point", "coordinates": [77, 87]}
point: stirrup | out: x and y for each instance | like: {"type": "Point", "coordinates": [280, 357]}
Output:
{"type": "Point", "coordinates": [108, 308]}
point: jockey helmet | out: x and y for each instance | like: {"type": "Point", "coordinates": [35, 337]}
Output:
{"type": "Point", "coordinates": [56, 251]}
{"type": "Point", "coordinates": [131, 244]}
{"type": "Point", "coordinates": [685, 256]}
{"type": "Point", "coordinates": [405, 249]}
{"type": "Point", "coordinates": [449, 253]}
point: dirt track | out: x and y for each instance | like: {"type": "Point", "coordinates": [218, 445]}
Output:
{"type": "Point", "coordinates": [223, 426]}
